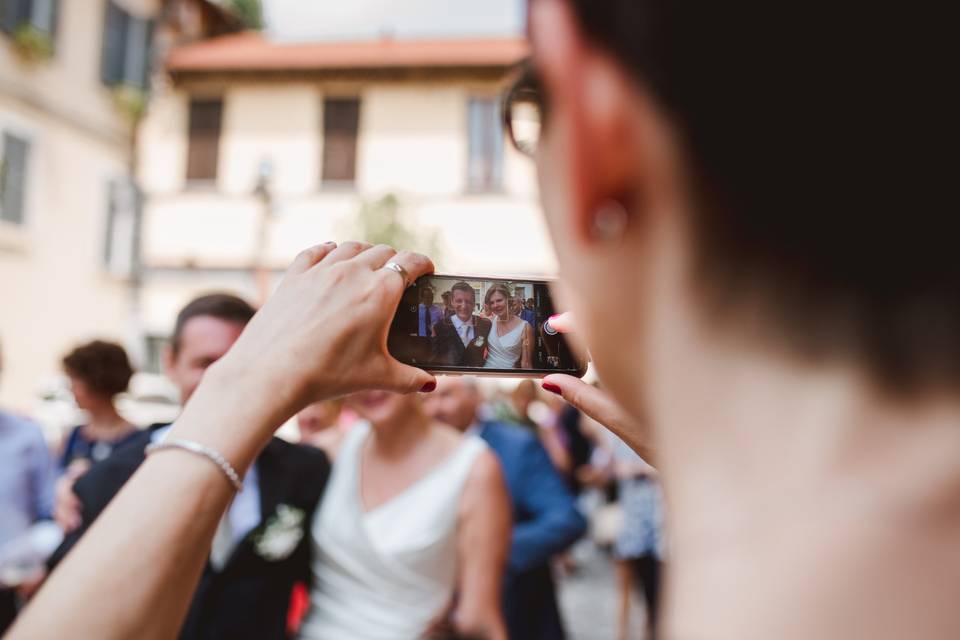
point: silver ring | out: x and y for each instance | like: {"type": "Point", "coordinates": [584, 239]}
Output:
{"type": "Point", "coordinates": [393, 266]}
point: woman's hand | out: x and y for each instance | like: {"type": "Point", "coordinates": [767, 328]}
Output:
{"type": "Point", "coordinates": [598, 404]}
{"type": "Point", "coordinates": [323, 333]}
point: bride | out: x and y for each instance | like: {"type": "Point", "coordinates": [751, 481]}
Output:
{"type": "Point", "coordinates": [414, 513]}
{"type": "Point", "coordinates": [511, 339]}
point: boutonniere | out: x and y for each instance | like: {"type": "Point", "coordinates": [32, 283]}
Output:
{"type": "Point", "coordinates": [280, 534]}
{"type": "Point", "coordinates": [480, 341]}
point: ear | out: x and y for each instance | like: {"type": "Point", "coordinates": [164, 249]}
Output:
{"type": "Point", "coordinates": [590, 109]}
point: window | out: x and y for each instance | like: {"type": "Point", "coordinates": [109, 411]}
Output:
{"type": "Point", "coordinates": [127, 41]}
{"type": "Point", "coordinates": [119, 249]}
{"type": "Point", "coordinates": [484, 145]}
{"type": "Point", "coordinates": [13, 178]}
{"type": "Point", "coordinates": [341, 120]}
{"type": "Point", "coordinates": [38, 15]}
{"type": "Point", "coordinates": [204, 139]}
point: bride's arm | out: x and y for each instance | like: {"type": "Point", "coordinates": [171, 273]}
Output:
{"type": "Point", "coordinates": [322, 334]}
{"type": "Point", "coordinates": [526, 356]}
{"type": "Point", "coordinates": [483, 543]}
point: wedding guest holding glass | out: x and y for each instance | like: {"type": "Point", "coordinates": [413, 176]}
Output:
{"type": "Point", "coordinates": [26, 500]}
{"type": "Point", "coordinates": [415, 513]}
{"type": "Point", "coordinates": [511, 339]}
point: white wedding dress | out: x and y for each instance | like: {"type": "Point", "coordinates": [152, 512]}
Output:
{"type": "Point", "coordinates": [386, 574]}
{"type": "Point", "coordinates": [504, 351]}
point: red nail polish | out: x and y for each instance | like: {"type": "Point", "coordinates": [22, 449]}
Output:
{"type": "Point", "coordinates": [553, 317]}
{"type": "Point", "coordinates": [430, 386]}
{"type": "Point", "coordinates": [552, 388]}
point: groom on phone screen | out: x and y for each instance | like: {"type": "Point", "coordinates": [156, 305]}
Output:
{"type": "Point", "coordinates": [461, 339]}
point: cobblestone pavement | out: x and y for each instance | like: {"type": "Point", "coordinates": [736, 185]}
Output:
{"type": "Point", "coordinates": [588, 598]}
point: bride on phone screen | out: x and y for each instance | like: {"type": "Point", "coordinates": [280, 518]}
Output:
{"type": "Point", "coordinates": [511, 339]}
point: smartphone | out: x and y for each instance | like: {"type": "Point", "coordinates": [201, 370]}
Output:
{"type": "Point", "coordinates": [481, 326]}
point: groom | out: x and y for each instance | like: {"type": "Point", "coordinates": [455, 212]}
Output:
{"type": "Point", "coordinates": [461, 339]}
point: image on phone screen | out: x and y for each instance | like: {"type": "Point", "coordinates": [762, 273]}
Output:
{"type": "Point", "coordinates": [482, 326]}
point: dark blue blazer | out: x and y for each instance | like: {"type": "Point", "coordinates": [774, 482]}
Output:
{"type": "Point", "coordinates": [545, 522]}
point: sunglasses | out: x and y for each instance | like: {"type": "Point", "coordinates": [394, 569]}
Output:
{"type": "Point", "coordinates": [524, 110]}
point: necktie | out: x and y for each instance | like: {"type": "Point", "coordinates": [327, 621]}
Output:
{"type": "Point", "coordinates": [465, 334]}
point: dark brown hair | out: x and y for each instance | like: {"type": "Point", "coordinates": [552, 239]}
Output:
{"type": "Point", "coordinates": [223, 306]}
{"type": "Point", "coordinates": [102, 366]}
{"type": "Point", "coordinates": [816, 151]}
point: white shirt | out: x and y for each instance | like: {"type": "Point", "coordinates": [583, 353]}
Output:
{"type": "Point", "coordinates": [244, 512]}
{"type": "Point", "coordinates": [460, 325]}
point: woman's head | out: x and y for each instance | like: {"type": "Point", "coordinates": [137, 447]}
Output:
{"type": "Point", "coordinates": [384, 409]}
{"type": "Point", "coordinates": [499, 299]}
{"type": "Point", "coordinates": [98, 371]}
{"type": "Point", "coordinates": [667, 174]}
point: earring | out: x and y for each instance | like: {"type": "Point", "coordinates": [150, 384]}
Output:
{"type": "Point", "coordinates": [609, 221]}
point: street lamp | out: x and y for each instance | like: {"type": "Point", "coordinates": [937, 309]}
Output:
{"type": "Point", "coordinates": [264, 193]}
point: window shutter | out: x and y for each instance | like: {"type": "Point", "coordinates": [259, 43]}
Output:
{"type": "Point", "coordinates": [13, 178]}
{"type": "Point", "coordinates": [204, 139]}
{"type": "Point", "coordinates": [341, 122]}
{"type": "Point", "coordinates": [484, 145]}
{"type": "Point", "coordinates": [13, 13]}
{"type": "Point", "coordinates": [136, 55]}
{"type": "Point", "coordinates": [43, 15]}
{"type": "Point", "coordinates": [115, 29]}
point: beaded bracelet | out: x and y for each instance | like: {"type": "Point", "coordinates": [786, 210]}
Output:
{"type": "Point", "coordinates": [202, 450]}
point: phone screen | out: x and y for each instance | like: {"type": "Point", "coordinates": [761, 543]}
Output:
{"type": "Point", "coordinates": [470, 325]}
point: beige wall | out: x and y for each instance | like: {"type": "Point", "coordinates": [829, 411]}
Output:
{"type": "Point", "coordinates": [54, 291]}
{"type": "Point", "coordinates": [412, 143]}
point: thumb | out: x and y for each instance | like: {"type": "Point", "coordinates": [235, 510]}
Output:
{"type": "Point", "coordinates": [403, 378]}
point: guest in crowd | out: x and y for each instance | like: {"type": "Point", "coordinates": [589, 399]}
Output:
{"type": "Point", "coordinates": [639, 544]}
{"type": "Point", "coordinates": [448, 310]}
{"type": "Point", "coordinates": [260, 549]}
{"type": "Point", "coordinates": [515, 409]}
{"type": "Point", "coordinates": [98, 371]}
{"type": "Point", "coordinates": [461, 339]}
{"type": "Point", "coordinates": [318, 425]}
{"type": "Point", "coordinates": [511, 339]}
{"type": "Point", "coordinates": [429, 313]}
{"type": "Point", "coordinates": [545, 518]}
{"type": "Point", "coordinates": [26, 498]}
{"type": "Point", "coordinates": [529, 314]}
{"type": "Point", "coordinates": [415, 514]}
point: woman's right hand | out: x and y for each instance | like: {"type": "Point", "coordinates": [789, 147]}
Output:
{"type": "Point", "coordinates": [598, 404]}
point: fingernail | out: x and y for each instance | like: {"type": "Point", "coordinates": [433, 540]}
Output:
{"type": "Point", "coordinates": [430, 386]}
{"type": "Point", "coordinates": [552, 388]}
{"type": "Point", "coordinates": [553, 317]}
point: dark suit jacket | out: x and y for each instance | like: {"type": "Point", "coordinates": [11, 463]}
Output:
{"type": "Point", "coordinates": [250, 596]}
{"type": "Point", "coordinates": [546, 522]}
{"type": "Point", "coordinates": [447, 347]}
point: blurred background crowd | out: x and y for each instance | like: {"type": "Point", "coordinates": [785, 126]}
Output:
{"type": "Point", "coordinates": [154, 151]}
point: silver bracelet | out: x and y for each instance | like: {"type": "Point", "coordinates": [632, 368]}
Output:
{"type": "Point", "coordinates": [202, 450]}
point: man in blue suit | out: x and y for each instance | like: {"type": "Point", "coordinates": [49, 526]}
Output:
{"type": "Point", "coordinates": [545, 517]}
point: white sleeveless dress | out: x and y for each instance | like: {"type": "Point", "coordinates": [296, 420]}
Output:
{"type": "Point", "coordinates": [386, 574]}
{"type": "Point", "coordinates": [504, 351]}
